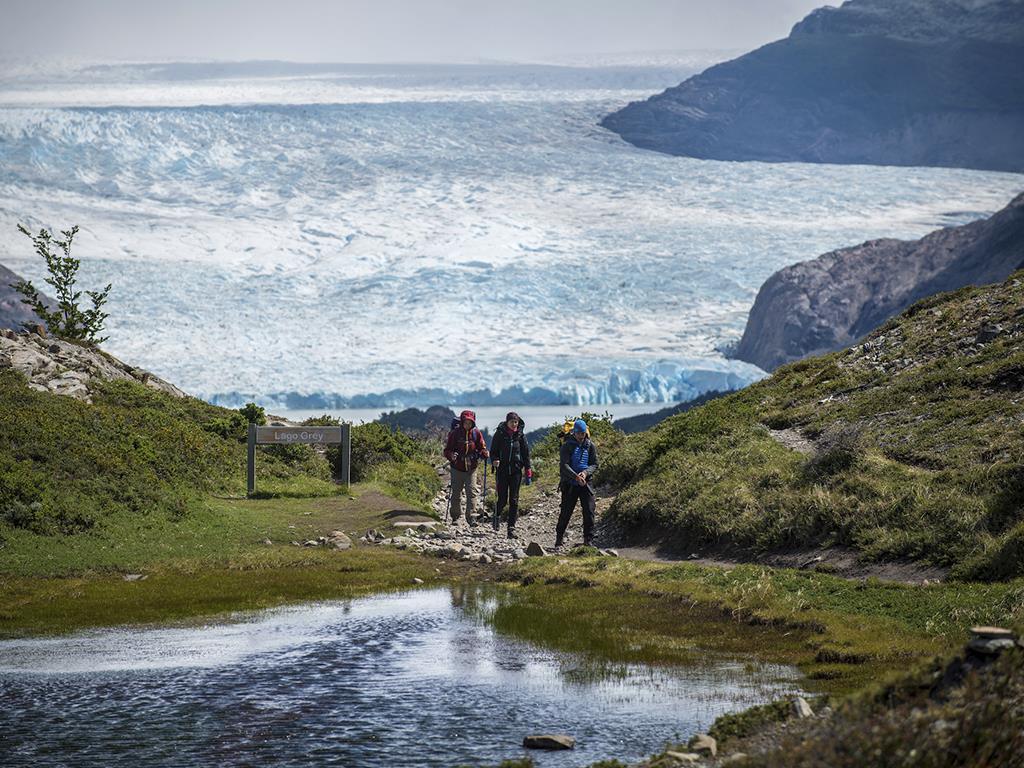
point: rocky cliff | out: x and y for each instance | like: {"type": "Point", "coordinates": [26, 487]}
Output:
{"type": "Point", "coordinates": [64, 368]}
{"type": "Point", "coordinates": [886, 82]}
{"type": "Point", "coordinates": [830, 302]}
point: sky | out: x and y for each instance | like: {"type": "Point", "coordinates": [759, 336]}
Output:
{"type": "Point", "coordinates": [388, 30]}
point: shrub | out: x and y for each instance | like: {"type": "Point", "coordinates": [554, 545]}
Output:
{"type": "Point", "coordinates": [69, 321]}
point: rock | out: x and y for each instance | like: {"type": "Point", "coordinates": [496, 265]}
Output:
{"type": "Point", "coordinates": [339, 540]}
{"type": "Point", "coordinates": [67, 369]}
{"type": "Point", "coordinates": [812, 561]}
{"type": "Point", "coordinates": [794, 99]}
{"type": "Point", "coordinates": [612, 552]}
{"type": "Point", "coordinates": [693, 556]}
{"type": "Point", "coordinates": [420, 525]}
{"type": "Point", "coordinates": [991, 646]}
{"type": "Point", "coordinates": [296, 544]}
{"type": "Point", "coordinates": [485, 558]}
{"type": "Point", "coordinates": [988, 333]}
{"type": "Point", "coordinates": [703, 744]}
{"type": "Point", "coordinates": [417, 580]}
{"type": "Point", "coordinates": [268, 542]}
{"type": "Point", "coordinates": [735, 757]}
{"type": "Point", "coordinates": [311, 543]}
{"type": "Point", "coordinates": [830, 302]}
{"type": "Point", "coordinates": [801, 709]}
{"type": "Point", "coordinates": [135, 576]}
{"type": "Point", "coordinates": [992, 633]}
{"type": "Point", "coordinates": [549, 741]}
{"type": "Point", "coordinates": [682, 758]}
{"type": "Point", "coordinates": [533, 549]}
{"type": "Point", "coordinates": [519, 554]}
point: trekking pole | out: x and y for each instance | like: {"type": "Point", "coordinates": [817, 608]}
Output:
{"type": "Point", "coordinates": [485, 487]}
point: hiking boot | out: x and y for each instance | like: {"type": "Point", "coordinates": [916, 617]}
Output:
{"type": "Point", "coordinates": [588, 541]}
{"type": "Point", "coordinates": [558, 542]}
{"type": "Point", "coordinates": [512, 533]}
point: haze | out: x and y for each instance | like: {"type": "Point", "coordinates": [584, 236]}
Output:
{"type": "Point", "coordinates": [388, 30]}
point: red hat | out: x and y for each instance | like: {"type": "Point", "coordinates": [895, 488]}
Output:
{"type": "Point", "coordinates": [468, 415]}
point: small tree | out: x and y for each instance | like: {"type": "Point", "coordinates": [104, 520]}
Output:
{"type": "Point", "coordinates": [69, 321]}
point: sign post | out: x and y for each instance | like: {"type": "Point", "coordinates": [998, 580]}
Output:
{"type": "Point", "coordinates": [341, 435]}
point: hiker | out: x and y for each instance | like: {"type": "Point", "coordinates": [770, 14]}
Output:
{"type": "Point", "coordinates": [464, 449]}
{"type": "Point", "coordinates": [578, 462]}
{"type": "Point", "coordinates": [510, 457]}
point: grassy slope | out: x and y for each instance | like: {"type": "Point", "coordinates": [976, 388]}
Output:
{"type": "Point", "coordinates": [142, 482]}
{"type": "Point", "coordinates": [921, 453]}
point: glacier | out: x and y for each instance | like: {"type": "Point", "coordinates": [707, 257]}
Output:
{"type": "Point", "coordinates": [337, 236]}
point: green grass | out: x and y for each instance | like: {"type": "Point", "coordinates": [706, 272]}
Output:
{"type": "Point", "coordinates": [920, 450]}
{"type": "Point", "coordinates": [843, 634]}
{"type": "Point", "coordinates": [211, 561]}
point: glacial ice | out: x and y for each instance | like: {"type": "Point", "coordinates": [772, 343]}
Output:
{"type": "Point", "coordinates": [402, 236]}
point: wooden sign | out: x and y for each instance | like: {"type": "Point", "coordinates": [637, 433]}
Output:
{"type": "Point", "coordinates": [289, 435]}
{"type": "Point", "coordinates": [300, 435]}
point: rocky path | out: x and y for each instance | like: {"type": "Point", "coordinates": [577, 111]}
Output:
{"type": "Point", "coordinates": [536, 536]}
{"type": "Point", "coordinates": [535, 531]}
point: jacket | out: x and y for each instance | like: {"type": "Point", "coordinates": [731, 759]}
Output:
{"type": "Point", "coordinates": [511, 450]}
{"type": "Point", "coordinates": [464, 449]}
{"type": "Point", "coordinates": [566, 457]}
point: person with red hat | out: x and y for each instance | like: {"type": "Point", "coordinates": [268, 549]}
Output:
{"type": "Point", "coordinates": [464, 449]}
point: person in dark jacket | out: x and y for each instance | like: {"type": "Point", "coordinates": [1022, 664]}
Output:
{"type": "Point", "coordinates": [510, 457]}
{"type": "Point", "coordinates": [577, 464]}
{"type": "Point", "coordinates": [464, 449]}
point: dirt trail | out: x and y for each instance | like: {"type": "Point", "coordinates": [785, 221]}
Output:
{"type": "Point", "coordinates": [537, 524]}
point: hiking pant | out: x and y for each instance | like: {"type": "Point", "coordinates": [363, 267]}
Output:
{"type": "Point", "coordinates": [462, 482]}
{"type": "Point", "coordinates": [508, 490]}
{"type": "Point", "coordinates": [571, 493]}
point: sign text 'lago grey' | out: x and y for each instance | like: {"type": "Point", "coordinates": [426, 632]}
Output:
{"type": "Point", "coordinates": [286, 435]}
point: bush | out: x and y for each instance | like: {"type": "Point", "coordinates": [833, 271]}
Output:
{"type": "Point", "coordinates": [66, 466]}
{"type": "Point", "coordinates": [374, 444]}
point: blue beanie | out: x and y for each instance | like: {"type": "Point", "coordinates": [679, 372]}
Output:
{"type": "Point", "coordinates": [580, 426]}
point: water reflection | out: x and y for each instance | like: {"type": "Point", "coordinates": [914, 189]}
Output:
{"type": "Point", "coordinates": [415, 679]}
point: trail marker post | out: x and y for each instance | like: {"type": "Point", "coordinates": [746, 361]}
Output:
{"type": "Point", "coordinates": [307, 435]}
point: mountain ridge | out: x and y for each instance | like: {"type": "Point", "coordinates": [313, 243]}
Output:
{"type": "Point", "coordinates": [880, 82]}
{"type": "Point", "coordinates": [828, 303]}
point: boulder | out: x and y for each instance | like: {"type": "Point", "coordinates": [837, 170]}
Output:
{"type": "Point", "coordinates": [549, 741]}
{"type": "Point", "coordinates": [533, 549]}
{"type": "Point", "coordinates": [338, 540]}
{"type": "Point", "coordinates": [801, 709]}
{"type": "Point", "coordinates": [681, 758]}
{"type": "Point", "coordinates": [703, 744]}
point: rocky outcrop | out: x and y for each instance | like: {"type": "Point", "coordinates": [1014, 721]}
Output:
{"type": "Point", "coordinates": [830, 302]}
{"type": "Point", "coordinates": [65, 368]}
{"type": "Point", "coordinates": [887, 82]}
{"type": "Point", "coordinates": [13, 313]}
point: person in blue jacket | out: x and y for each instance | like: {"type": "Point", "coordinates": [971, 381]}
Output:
{"type": "Point", "coordinates": [578, 462]}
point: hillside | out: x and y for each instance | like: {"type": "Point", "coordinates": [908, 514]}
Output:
{"type": "Point", "coordinates": [884, 82]}
{"type": "Point", "coordinates": [828, 303]}
{"type": "Point", "coordinates": [93, 447]}
{"type": "Point", "coordinates": [907, 446]}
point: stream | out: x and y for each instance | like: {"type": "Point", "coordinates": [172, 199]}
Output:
{"type": "Point", "coordinates": [410, 679]}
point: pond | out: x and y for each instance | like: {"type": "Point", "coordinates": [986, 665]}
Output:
{"type": "Point", "coordinates": [411, 679]}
